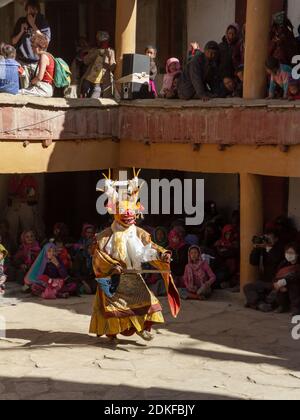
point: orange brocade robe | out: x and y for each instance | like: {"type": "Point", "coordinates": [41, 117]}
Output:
{"type": "Point", "coordinates": [134, 307]}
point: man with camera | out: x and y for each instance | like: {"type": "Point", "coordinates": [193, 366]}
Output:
{"type": "Point", "coordinates": [267, 254]}
{"type": "Point", "coordinates": [25, 28]}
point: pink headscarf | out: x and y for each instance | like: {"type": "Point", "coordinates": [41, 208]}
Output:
{"type": "Point", "coordinates": [29, 251]}
{"type": "Point", "coordinates": [169, 77]}
{"type": "Point", "coordinates": [197, 273]}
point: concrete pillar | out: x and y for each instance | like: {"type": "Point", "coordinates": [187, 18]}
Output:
{"type": "Point", "coordinates": [257, 44]}
{"type": "Point", "coordinates": [251, 192]}
{"type": "Point", "coordinates": [126, 17]}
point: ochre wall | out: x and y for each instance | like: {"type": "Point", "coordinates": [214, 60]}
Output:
{"type": "Point", "coordinates": [265, 160]}
{"type": "Point", "coordinates": [88, 155]}
{"type": "Point", "coordinates": [62, 156]}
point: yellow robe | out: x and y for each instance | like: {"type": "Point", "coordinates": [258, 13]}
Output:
{"type": "Point", "coordinates": [133, 306]}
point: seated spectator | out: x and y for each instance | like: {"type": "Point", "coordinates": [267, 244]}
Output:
{"type": "Point", "coordinates": [232, 88]}
{"type": "Point", "coordinates": [194, 51]}
{"type": "Point", "coordinates": [198, 276]}
{"type": "Point", "coordinates": [160, 237]}
{"type": "Point", "coordinates": [9, 71]}
{"type": "Point", "coordinates": [3, 272]}
{"type": "Point", "coordinates": [151, 52]}
{"type": "Point", "coordinates": [173, 69]}
{"type": "Point", "coordinates": [83, 272]}
{"type": "Point", "coordinates": [5, 238]}
{"type": "Point", "coordinates": [280, 75]}
{"type": "Point", "coordinates": [287, 282]}
{"type": "Point", "coordinates": [228, 249]}
{"type": "Point", "coordinates": [200, 79]}
{"type": "Point", "coordinates": [87, 234]}
{"type": "Point", "coordinates": [48, 277]}
{"type": "Point", "coordinates": [269, 252]}
{"type": "Point", "coordinates": [63, 255]}
{"type": "Point", "coordinates": [294, 90]}
{"type": "Point", "coordinates": [42, 83]}
{"type": "Point", "coordinates": [179, 254]}
{"type": "Point", "coordinates": [227, 47]}
{"type": "Point", "coordinates": [26, 255]}
{"type": "Point", "coordinates": [25, 28]}
{"type": "Point", "coordinates": [101, 61]}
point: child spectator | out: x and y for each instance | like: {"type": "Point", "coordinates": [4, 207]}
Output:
{"type": "Point", "coordinates": [48, 277]}
{"type": "Point", "coordinates": [200, 79]}
{"type": "Point", "coordinates": [152, 53]}
{"type": "Point", "coordinates": [280, 75]}
{"type": "Point", "coordinates": [3, 276]}
{"type": "Point", "coordinates": [9, 71]}
{"type": "Point", "coordinates": [194, 51]}
{"type": "Point", "coordinates": [173, 69]}
{"type": "Point", "coordinates": [227, 46]}
{"type": "Point", "coordinates": [26, 255]}
{"type": "Point", "coordinates": [198, 276]}
{"type": "Point", "coordinates": [294, 90]}
{"type": "Point", "coordinates": [101, 62]}
{"type": "Point", "coordinates": [232, 88]}
{"type": "Point", "coordinates": [42, 83]}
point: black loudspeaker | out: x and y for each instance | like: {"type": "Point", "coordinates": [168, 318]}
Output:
{"type": "Point", "coordinates": [135, 63]}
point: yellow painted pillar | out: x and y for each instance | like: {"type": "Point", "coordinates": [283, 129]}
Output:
{"type": "Point", "coordinates": [256, 49]}
{"type": "Point", "coordinates": [126, 17]}
{"type": "Point", "coordinates": [251, 196]}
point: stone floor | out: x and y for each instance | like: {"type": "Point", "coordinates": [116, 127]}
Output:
{"type": "Point", "coordinates": [214, 350]}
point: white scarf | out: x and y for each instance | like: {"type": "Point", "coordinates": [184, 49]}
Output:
{"type": "Point", "coordinates": [126, 246]}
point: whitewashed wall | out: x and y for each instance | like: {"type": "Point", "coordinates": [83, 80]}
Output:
{"type": "Point", "coordinates": [208, 19]}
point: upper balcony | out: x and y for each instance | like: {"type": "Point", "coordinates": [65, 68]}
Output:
{"type": "Point", "coordinates": [223, 122]}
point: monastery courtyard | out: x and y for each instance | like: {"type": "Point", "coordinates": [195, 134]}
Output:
{"type": "Point", "coordinates": [214, 350]}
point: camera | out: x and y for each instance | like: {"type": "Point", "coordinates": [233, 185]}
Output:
{"type": "Point", "coordinates": [261, 240]}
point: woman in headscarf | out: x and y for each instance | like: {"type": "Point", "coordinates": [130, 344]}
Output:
{"type": "Point", "coordinates": [283, 45]}
{"type": "Point", "coordinates": [198, 276]}
{"type": "Point", "coordinates": [173, 68]}
{"type": "Point", "coordinates": [227, 47]}
{"type": "Point", "coordinates": [26, 255]}
{"type": "Point", "coordinates": [48, 277]}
